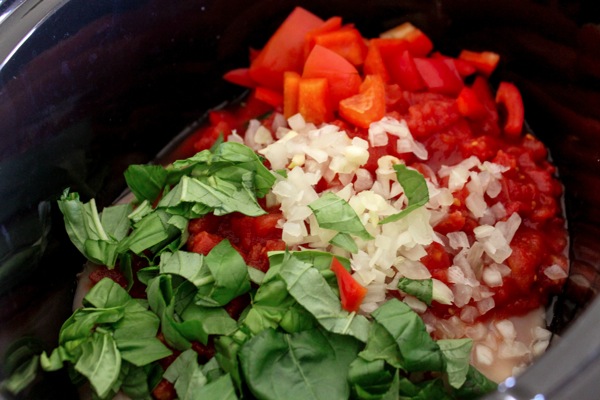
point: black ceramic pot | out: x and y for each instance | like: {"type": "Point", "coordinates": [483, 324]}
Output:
{"type": "Point", "coordinates": [88, 87]}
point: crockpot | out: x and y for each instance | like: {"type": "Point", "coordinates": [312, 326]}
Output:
{"type": "Point", "coordinates": [89, 87]}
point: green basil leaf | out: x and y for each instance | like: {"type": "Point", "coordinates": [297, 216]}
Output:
{"type": "Point", "coordinates": [85, 229]}
{"type": "Point", "coordinates": [221, 388]}
{"type": "Point", "coordinates": [370, 379]}
{"type": "Point", "coordinates": [142, 351]}
{"type": "Point", "coordinates": [115, 220]}
{"type": "Point", "coordinates": [476, 386]}
{"type": "Point", "coordinates": [309, 364]}
{"type": "Point", "coordinates": [200, 322]}
{"type": "Point", "coordinates": [382, 346]}
{"type": "Point", "coordinates": [100, 362]}
{"type": "Point", "coordinates": [418, 350]}
{"type": "Point", "coordinates": [269, 306]}
{"type": "Point", "coordinates": [345, 241]}
{"type": "Point", "coordinates": [161, 298]}
{"type": "Point", "coordinates": [146, 181]}
{"type": "Point", "coordinates": [456, 353]}
{"type": "Point", "coordinates": [333, 212]}
{"type": "Point", "coordinates": [230, 274]}
{"type": "Point", "coordinates": [310, 289]}
{"type": "Point", "coordinates": [186, 375]}
{"type": "Point", "coordinates": [422, 289]}
{"type": "Point", "coordinates": [106, 294]}
{"type": "Point", "coordinates": [135, 383]}
{"type": "Point", "coordinates": [187, 265]}
{"type": "Point", "coordinates": [415, 188]}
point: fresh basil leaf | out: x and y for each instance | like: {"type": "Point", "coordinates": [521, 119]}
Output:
{"type": "Point", "coordinates": [227, 349]}
{"type": "Point", "coordinates": [310, 289]}
{"type": "Point", "coordinates": [106, 294]}
{"type": "Point", "coordinates": [418, 350]}
{"type": "Point", "coordinates": [213, 194]}
{"type": "Point", "coordinates": [83, 225]}
{"type": "Point", "coordinates": [221, 388]}
{"type": "Point", "coordinates": [370, 379]}
{"type": "Point", "coordinates": [269, 306]}
{"type": "Point", "coordinates": [135, 336]}
{"type": "Point", "coordinates": [382, 346]}
{"type": "Point", "coordinates": [186, 375]}
{"type": "Point", "coordinates": [456, 353]}
{"type": "Point", "coordinates": [135, 383]}
{"type": "Point", "coordinates": [321, 260]}
{"type": "Point", "coordinates": [161, 298]}
{"type": "Point", "coordinates": [81, 324]}
{"type": "Point", "coordinates": [187, 265]}
{"type": "Point", "coordinates": [422, 289]}
{"type": "Point", "coordinates": [143, 209]}
{"type": "Point", "coordinates": [200, 322]}
{"type": "Point", "coordinates": [432, 389]}
{"type": "Point", "coordinates": [100, 362]}
{"type": "Point", "coordinates": [476, 386]}
{"type": "Point", "coordinates": [333, 212]}
{"type": "Point", "coordinates": [345, 241]}
{"type": "Point", "coordinates": [146, 181]}
{"type": "Point", "coordinates": [415, 189]}
{"type": "Point", "coordinates": [115, 220]}
{"type": "Point", "coordinates": [309, 364]}
{"type": "Point", "coordinates": [230, 274]}
{"type": "Point", "coordinates": [152, 232]}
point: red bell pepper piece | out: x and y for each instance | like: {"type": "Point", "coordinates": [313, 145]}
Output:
{"type": "Point", "coordinates": [291, 83]}
{"type": "Point", "coordinates": [271, 97]}
{"type": "Point", "coordinates": [314, 101]}
{"type": "Point", "coordinates": [404, 72]}
{"type": "Point", "coordinates": [374, 64]}
{"type": "Point", "coordinates": [351, 292]}
{"type": "Point", "coordinates": [419, 43]}
{"type": "Point", "coordinates": [367, 106]}
{"type": "Point", "coordinates": [469, 105]}
{"type": "Point", "coordinates": [347, 42]}
{"type": "Point", "coordinates": [485, 62]}
{"type": "Point", "coordinates": [331, 25]}
{"type": "Point", "coordinates": [463, 67]}
{"type": "Point", "coordinates": [438, 76]}
{"type": "Point", "coordinates": [284, 51]}
{"type": "Point", "coordinates": [240, 76]}
{"type": "Point", "coordinates": [343, 78]}
{"type": "Point", "coordinates": [510, 104]}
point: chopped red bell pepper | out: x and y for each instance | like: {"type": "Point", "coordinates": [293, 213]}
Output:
{"type": "Point", "coordinates": [291, 83]}
{"type": "Point", "coordinates": [343, 78]}
{"type": "Point", "coordinates": [347, 42]}
{"type": "Point", "coordinates": [331, 25]}
{"type": "Point", "coordinates": [314, 101]}
{"type": "Point", "coordinates": [240, 76]}
{"type": "Point", "coordinates": [404, 72]}
{"type": "Point", "coordinates": [419, 43]}
{"type": "Point", "coordinates": [285, 49]}
{"type": "Point", "coordinates": [485, 61]}
{"type": "Point", "coordinates": [463, 67]}
{"type": "Point", "coordinates": [439, 76]}
{"type": "Point", "coordinates": [469, 105]}
{"type": "Point", "coordinates": [351, 292]}
{"type": "Point", "coordinates": [510, 104]}
{"type": "Point", "coordinates": [368, 106]}
{"type": "Point", "coordinates": [271, 97]}
{"type": "Point", "coordinates": [374, 64]}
